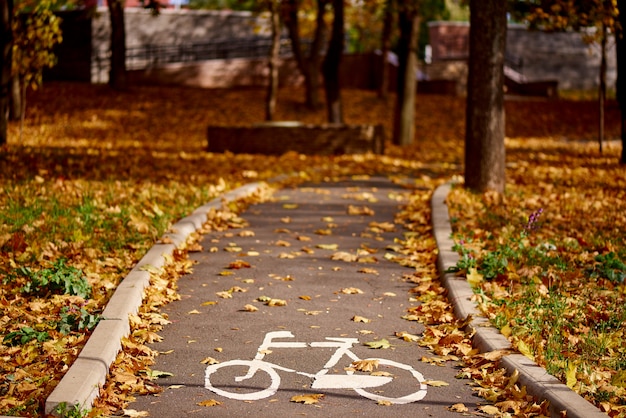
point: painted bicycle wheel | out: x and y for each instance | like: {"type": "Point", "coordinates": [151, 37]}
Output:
{"type": "Point", "coordinates": [402, 399]}
{"type": "Point", "coordinates": [225, 383]}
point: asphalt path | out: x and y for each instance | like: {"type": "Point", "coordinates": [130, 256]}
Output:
{"type": "Point", "coordinates": [273, 312]}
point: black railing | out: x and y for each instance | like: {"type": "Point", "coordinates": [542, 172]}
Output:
{"type": "Point", "coordinates": [145, 56]}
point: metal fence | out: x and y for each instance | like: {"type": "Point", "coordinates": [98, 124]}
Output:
{"type": "Point", "coordinates": [145, 56]}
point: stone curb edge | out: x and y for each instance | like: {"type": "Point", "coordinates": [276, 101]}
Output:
{"type": "Point", "coordinates": [81, 384]}
{"type": "Point", "coordinates": [487, 338]}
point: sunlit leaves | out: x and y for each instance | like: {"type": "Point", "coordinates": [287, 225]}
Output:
{"type": "Point", "coordinates": [358, 318]}
{"type": "Point", "coordinates": [307, 399]}
{"type": "Point", "coordinates": [209, 403]}
{"type": "Point", "coordinates": [365, 365]}
{"type": "Point", "coordinates": [380, 344]}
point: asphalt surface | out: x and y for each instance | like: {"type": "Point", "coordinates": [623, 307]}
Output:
{"type": "Point", "coordinates": [297, 251]}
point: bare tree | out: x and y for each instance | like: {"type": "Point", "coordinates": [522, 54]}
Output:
{"type": "Point", "coordinates": [404, 115]}
{"type": "Point", "coordinates": [6, 45]}
{"type": "Point", "coordinates": [332, 63]}
{"type": "Point", "coordinates": [620, 51]}
{"type": "Point", "coordinates": [272, 88]}
{"type": "Point", "coordinates": [117, 74]}
{"type": "Point", "coordinates": [309, 64]}
{"type": "Point", "coordinates": [484, 136]}
{"type": "Point", "coordinates": [383, 87]}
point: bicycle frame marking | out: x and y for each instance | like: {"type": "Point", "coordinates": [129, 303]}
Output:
{"type": "Point", "coordinates": [321, 379]}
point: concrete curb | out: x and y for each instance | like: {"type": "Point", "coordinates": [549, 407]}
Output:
{"type": "Point", "coordinates": [487, 338]}
{"type": "Point", "coordinates": [81, 384]}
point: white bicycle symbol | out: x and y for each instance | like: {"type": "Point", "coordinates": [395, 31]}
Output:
{"type": "Point", "coordinates": [321, 379]}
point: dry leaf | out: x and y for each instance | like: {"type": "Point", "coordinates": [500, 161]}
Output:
{"type": "Point", "coordinates": [344, 256]}
{"type": "Point", "coordinates": [208, 403]}
{"type": "Point", "coordinates": [458, 407]}
{"type": "Point", "coordinates": [250, 308]}
{"type": "Point", "coordinates": [357, 318]}
{"type": "Point", "coordinates": [327, 246]}
{"type": "Point", "coordinates": [380, 344]}
{"type": "Point", "coordinates": [474, 278]}
{"type": "Point", "coordinates": [351, 291]}
{"type": "Point", "coordinates": [436, 383]}
{"type": "Point", "coordinates": [360, 210]}
{"type": "Point", "coordinates": [307, 399]}
{"type": "Point", "coordinates": [277, 302]}
{"type": "Point", "coordinates": [132, 413]}
{"type": "Point", "coordinates": [407, 337]}
{"type": "Point", "coordinates": [365, 365]}
{"type": "Point", "coordinates": [489, 409]}
{"type": "Point", "coordinates": [239, 264]}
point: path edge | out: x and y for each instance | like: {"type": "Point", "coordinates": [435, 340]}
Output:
{"type": "Point", "coordinates": [80, 386]}
{"type": "Point", "coordinates": [563, 400]}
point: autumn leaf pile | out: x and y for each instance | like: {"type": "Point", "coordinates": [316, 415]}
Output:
{"type": "Point", "coordinates": [94, 178]}
{"type": "Point", "coordinates": [547, 263]}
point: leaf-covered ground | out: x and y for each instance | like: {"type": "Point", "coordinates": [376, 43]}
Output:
{"type": "Point", "coordinates": [95, 177]}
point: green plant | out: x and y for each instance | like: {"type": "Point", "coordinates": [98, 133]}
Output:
{"type": "Point", "coordinates": [467, 260]}
{"type": "Point", "coordinates": [24, 335]}
{"type": "Point", "coordinates": [60, 279]}
{"type": "Point", "coordinates": [70, 411]}
{"type": "Point", "coordinates": [495, 263]}
{"type": "Point", "coordinates": [75, 318]}
{"type": "Point", "coordinates": [609, 266]}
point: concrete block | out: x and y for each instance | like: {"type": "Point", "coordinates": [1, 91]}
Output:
{"type": "Point", "coordinates": [277, 138]}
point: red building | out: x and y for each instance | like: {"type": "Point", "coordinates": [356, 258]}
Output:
{"type": "Point", "coordinates": [168, 4]}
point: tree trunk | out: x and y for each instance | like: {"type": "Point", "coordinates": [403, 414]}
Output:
{"type": "Point", "coordinates": [272, 88]}
{"type": "Point", "coordinates": [15, 112]}
{"type": "Point", "coordinates": [117, 74]}
{"type": "Point", "coordinates": [309, 65]}
{"type": "Point", "coordinates": [383, 84]}
{"type": "Point", "coordinates": [404, 115]}
{"type": "Point", "coordinates": [602, 88]}
{"type": "Point", "coordinates": [332, 63]}
{"type": "Point", "coordinates": [484, 135]}
{"type": "Point", "coordinates": [6, 44]}
{"type": "Point", "coordinates": [620, 87]}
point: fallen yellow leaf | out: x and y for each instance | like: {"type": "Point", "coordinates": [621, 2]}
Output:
{"type": "Point", "coordinates": [357, 318]}
{"type": "Point", "coordinates": [365, 365]}
{"type": "Point", "coordinates": [458, 407]}
{"type": "Point", "coordinates": [210, 402]}
{"type": "Point", "coordinates": [489, 409]}
{"type": "Point", "coordinates": [351, 291]}
{"type": "Point", "coordinates": [436, 383]}
{"type": "Point", "coordinates": [307, 399]}
{"type": "Point", "coordinates": [250, 308]}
